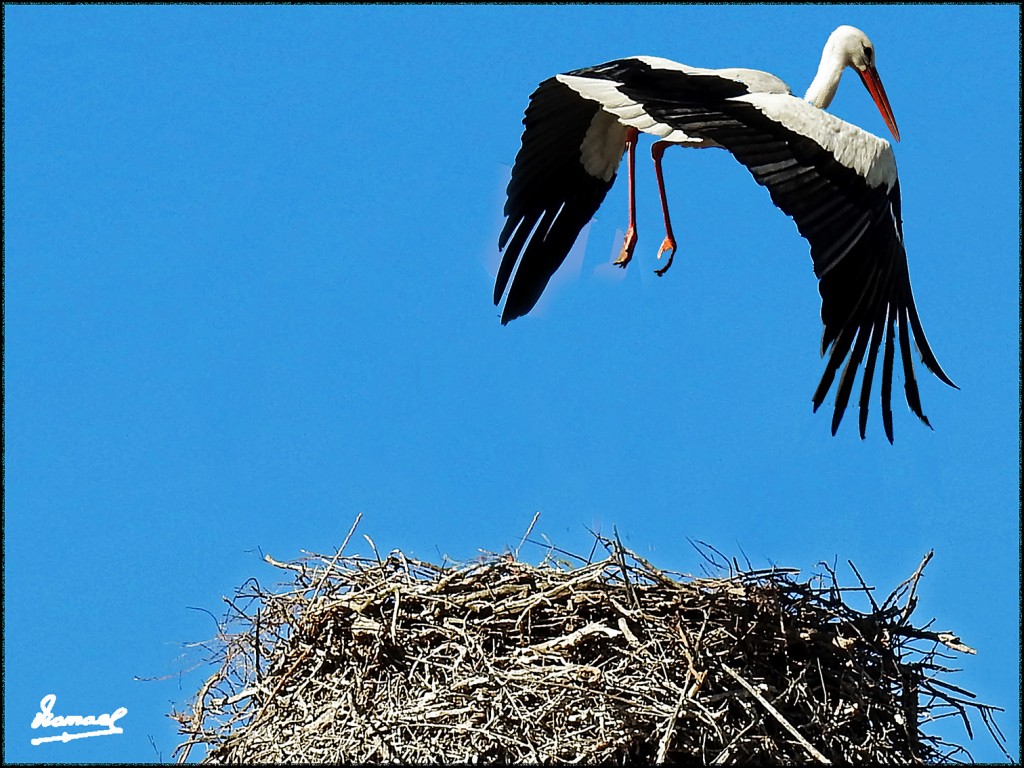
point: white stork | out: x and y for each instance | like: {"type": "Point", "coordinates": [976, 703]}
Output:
{"type": "Point", "coordinates": [835, 180]}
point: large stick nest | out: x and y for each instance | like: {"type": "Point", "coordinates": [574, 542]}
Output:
{"type": "Point", "coordinates": [369, 659]}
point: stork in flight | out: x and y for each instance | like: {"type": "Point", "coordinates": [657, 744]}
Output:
{"type": "Point", "coordinates": [836, 181]}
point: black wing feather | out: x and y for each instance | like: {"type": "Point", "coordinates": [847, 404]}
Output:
{"type": "Point", "coordinates": [869, 371]}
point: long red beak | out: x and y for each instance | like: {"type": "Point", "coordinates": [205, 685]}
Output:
{"type": "Point", "coordinates": [874, 85]}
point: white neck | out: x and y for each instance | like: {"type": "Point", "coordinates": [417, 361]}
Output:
{"type": "Point", "coordinates": [823, 88]}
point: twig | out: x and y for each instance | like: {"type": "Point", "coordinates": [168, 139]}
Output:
{"type": "Point", "coordinates": [533, 522]}
{"type": "Point", "coordinates": [778, 716]}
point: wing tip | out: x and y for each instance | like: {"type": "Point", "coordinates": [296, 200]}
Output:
{"type": "Point", "coordinates": [507, 316]}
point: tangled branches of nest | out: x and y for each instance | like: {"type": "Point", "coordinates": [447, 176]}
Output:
{"type": "Point", "coordinates": [370, 659]}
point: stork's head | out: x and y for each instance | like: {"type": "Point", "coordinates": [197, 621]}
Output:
{"type": "Point", "coordinates": [850, 47]}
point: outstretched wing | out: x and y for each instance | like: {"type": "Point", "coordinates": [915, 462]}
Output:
{"type": "Point", "coordinates": [836, 181]}
{"type": "Point", "coordinates": [567, 163]}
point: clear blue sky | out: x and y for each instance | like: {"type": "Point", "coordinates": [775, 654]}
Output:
{"type": "Point", "coordinates": [249, 256]}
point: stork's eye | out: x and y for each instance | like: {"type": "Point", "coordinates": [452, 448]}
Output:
{"type": "Point", "coordinates": [869, 54]}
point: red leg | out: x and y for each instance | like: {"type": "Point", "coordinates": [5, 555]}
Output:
{"type": "Point", "coordinates": [630, 241]}
{"type": "Point", "coordinates": [669, 243]}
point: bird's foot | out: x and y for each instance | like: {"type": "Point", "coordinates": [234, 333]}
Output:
{"type": "Point", "coordinates": [668, 244]}
{"type": "Point", "coordinates": [627, 249]}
